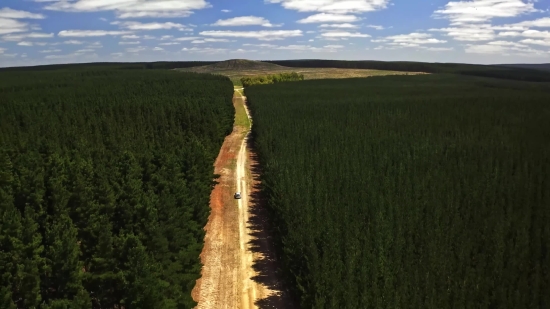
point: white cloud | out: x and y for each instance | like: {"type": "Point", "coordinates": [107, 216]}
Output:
{"type": "Point", "coordinates": [129, 42]}
{"type": "Point", "coordinates": [506, 43]}
{"type": "Point", "coordinates": [169, 43]}
{"type": "Point", "coordinates": [158, 48]}
{"type": "Point", "coordinates": [414, 38]}
{"type": "Point", "coordinates": [343, 34]}
{"type": "Point", "coordinates": [226, 11]}
{"type": "Point", "coordinates": [309, 48]}
{"type": "Point", "coordinates": [10, 26]}
{"type": "Point", "coordinates": [31, 35]}
{"type": "Point", "coordinates": [148, 37]}
{"type": "Point", "coordinates": [95, 45]}
{"type": "Point", "coordinates": [207, 40]}
{"type": "Point", "coordinates": [132, 25]}
{"type": "Point", "coordinates": [537, 23]}
{"type": "Point", "coordinates": [376, 27]}
{"type": "Point", "coordinates": [166, 37]}
{"type": "Point", "coordinates": [187, 38]}
{"type": "Point", "coordinates": [2, 50]}
{"type": "Point", "coordinates": [329, 18]}
{"type": "Point", "coordinates": [43, 43]}
{"type": "Point", "coordinates": [135, 49]}
{"type": "Point", "coordinates": [536, 34]}
{"type": "Point", "coordinates": [206, 50]}
{"type": "Point", "coordinates": [333, 6]}
{"type": "Point", "coordinates": [25, 43]}
{"type": "Point", "coordinates": [509, 33]}
{"type": "Point", "coordinates": [481, 32]}
{"type": "Point", "coordinates": [240, 50]}
{"type": "Point", "coordinates": [103, 19]}
{"type": "Point", "coordinates": [90, 33]}
{"type": "Point", "coordinates": [83, 51]}
{"type": "Point", "coordinates": [73, 42]}
{"type": "Point", "coordinates": [265, 35]}
{"type": "Point", "coordinates": [132, 8]}
{"type": "Point", "coordinates": [117, 54]}
{"type": "Point", "coordinates": [244, 21]}
{"type": "Point", "coordinates": [129, 37]}
{"type": "Point", "coordinates": [15, 14]}
{"type": "Point", "coordinates": [264, 45]}
{"type": "Point", "coordinates": [503, 50]}
{"type": "Point", "coordinates": [476, 11]}
{"type": "Point", "coordinates": [438, 48]}
{"type": "Point", "coordinates": [10, 55]}
{"type": "Point", "coordinates": [345, 25]}
{"type": "Point", "coordinates": [537, 42]}
{"type": "Point", "coordinates": [49, 51]}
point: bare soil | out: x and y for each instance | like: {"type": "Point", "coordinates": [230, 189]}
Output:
{"type": "Point", "coordinates": [239, 268]}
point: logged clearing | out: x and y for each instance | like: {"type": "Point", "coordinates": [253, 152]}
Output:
{"type": "Point", "coordinates": [239, 266]}
{"type": "Point", "coordinates": [238, 68]}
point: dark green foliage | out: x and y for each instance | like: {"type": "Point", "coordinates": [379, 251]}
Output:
{"type": "Point", "coordinates": [105, 178]}
{"type": "Point", "coordinates": [425, 191]}
{"type": "Point", "coordinates": [271, 79]}
{"type": "Point", "coordinates": [496, 71]}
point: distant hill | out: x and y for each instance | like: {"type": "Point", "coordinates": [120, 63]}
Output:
{"type": "Point", "coordinates": [236, 65]}
{"type": "Point", "coordinates": [536, 66]}
{"type": "Point", "coordinates": [495, 71]}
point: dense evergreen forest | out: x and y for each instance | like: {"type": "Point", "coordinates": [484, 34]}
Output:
{"type": "Point", "coordinates": [429, 191]}
{"type": "Point", "coordinates": [533, 72]}
{"type": "Point", "coordinates": [105, 178]}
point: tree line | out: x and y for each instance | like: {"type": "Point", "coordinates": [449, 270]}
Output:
{"type": "Point", "coordinates": [427, 191]}
{"type": "Point", "coordinates": [271, 79]}
{"type": "Point", "coordinates": [105, 178]}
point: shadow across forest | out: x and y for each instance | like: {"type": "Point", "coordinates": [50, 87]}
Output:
{"type": "Point", "coordinates": [268, 267]}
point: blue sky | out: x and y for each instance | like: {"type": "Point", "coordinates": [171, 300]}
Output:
{"type": "Point", "coordinates": [472, 31]}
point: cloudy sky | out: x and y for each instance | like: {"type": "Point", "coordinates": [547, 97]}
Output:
{"type": "Point", "coordinates": [473, 31]}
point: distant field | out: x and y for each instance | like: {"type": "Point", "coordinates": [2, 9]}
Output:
{"type": "Point", "coordinates": [236, 69]}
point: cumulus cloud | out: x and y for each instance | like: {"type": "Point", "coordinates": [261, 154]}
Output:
{"type": "Point", "coordinates": [10, 26]}
{"type": "Point", "coordinates": [135, 49]}
{"type": "Point", "coordinates": [460, 12]}
{"type": "Point", "coordinates": [265, 35]}
{"type": "Point", "coordinates": [187, 38]}
{"type": "Point", "coordinates": [226, 11]}
{"type": "Point", "coordinates": [205, 50]}
{"type": "Point", "coordinates": [129, 37]}
{"type": "Point", "coordinates": [333, 6]}
{"type": "Point", "coordinates": [344, 25]}
{"type": "Point", "coordinates": [15, 14]}
{"type": "Point", "coordinates": [329, 18]}
{"type": "Point", "coordinates": [481, 32]}
{"type": "Point", "coordinates": [158, 48]}
{"type": "Point", "coordinates": [376, 27]}
{"type": "Point", "coordinates": [170, 43]}
{"type": "Point", "coordinates": [23, 36]}
{"type": "Point", "coordinates": [209, 40]}
{"type": "Point", "coordinates": [344, 34]}
{"type": "Point", "coordinates": [132, 8]}
{"type": "Point", "coordinates": [90, 33]}
{"type": "Point", "coordinates": [132, 25]}
{"type": "Point", "coordinates": [73, 42]}
{"type": "Point", "coordinates": [49, 51]}
{"type": "Point", "coordinates": [536, 42]}
{"type": "Point", "coordinates": [244, 21]}
{"type": "Point", "coordinates": [25, 43]}
{"type": "Point", "coordinates": [501, 49]}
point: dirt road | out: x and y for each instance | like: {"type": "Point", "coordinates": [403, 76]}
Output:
{"type": "Point", "coordinates": [239, 268]}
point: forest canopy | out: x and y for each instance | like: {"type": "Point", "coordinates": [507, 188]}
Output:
{"type": "Point", "coordinates": [428, 191]}
{"type": "Point", "coordinates": [105, 178]}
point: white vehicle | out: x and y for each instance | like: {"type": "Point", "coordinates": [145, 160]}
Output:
{"type": "Point", "coordinates": [237, 195]}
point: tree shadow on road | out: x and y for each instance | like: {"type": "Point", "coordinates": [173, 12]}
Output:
{"type": "Point", "coordinates": [267, 268]}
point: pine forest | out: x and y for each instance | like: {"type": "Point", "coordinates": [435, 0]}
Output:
{"type": "Point", "coordinates": [105, 180]}
{"type": "Point", "coordinates": [428, 191]}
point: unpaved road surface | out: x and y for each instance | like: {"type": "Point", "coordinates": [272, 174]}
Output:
{"type": "Point", "coordinates": [240, 269]}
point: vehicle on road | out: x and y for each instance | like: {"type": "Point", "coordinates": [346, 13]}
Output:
{"type": "Point", "coordinates": [237, 195]}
